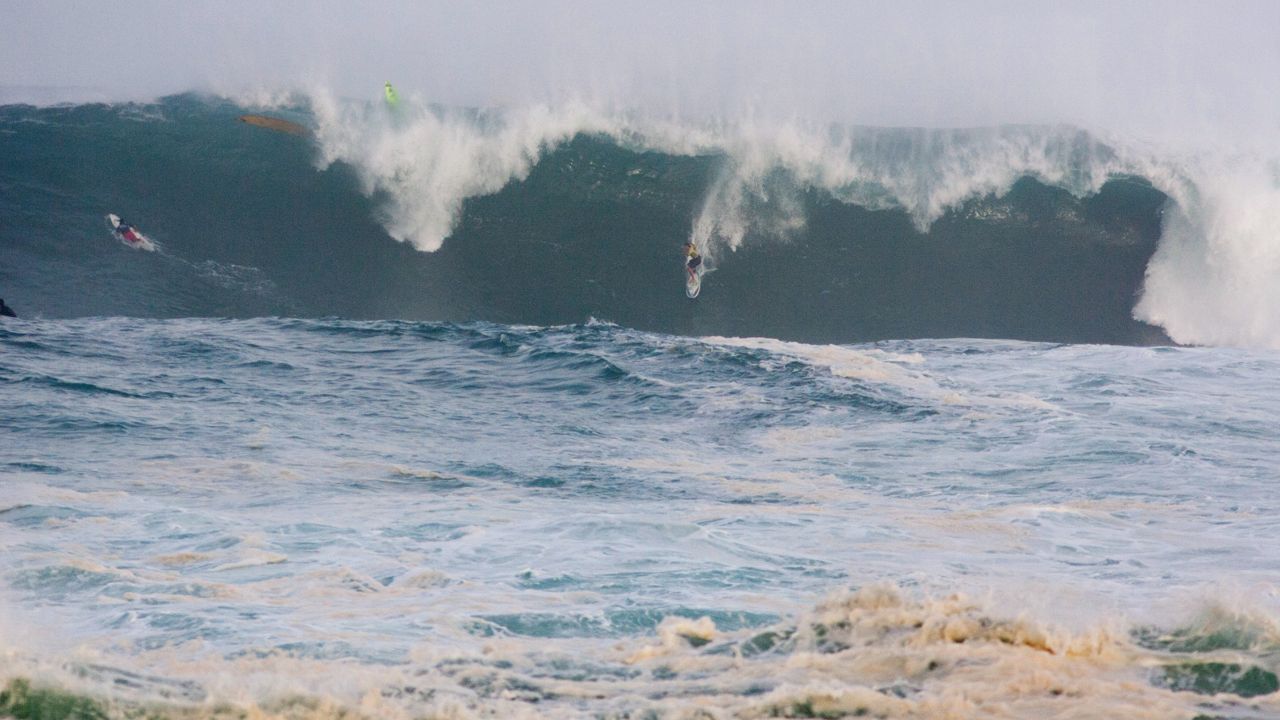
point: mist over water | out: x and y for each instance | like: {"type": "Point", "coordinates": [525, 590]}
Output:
{"type": "Point", "coordinates": [1160, 68]}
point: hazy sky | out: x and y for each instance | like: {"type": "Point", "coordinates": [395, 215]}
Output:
{"type": "Point", "coordinates": [1193, 66]}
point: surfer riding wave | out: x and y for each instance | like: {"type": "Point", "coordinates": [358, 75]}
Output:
{"type": "Point", "coordinates": [694, 260]}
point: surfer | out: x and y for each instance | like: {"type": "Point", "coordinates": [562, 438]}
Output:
{"type": "Point", "coordinates": [694, 259]}
{"type": "Point", "coordinates": [127, 233]}
{"type": "Point", "coordinates": [6, 311]}
{"type": "Point", "coordinates": [392, 98]}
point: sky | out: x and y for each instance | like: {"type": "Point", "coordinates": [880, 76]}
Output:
{"type": "Point", "coordinates": [1165, 66]}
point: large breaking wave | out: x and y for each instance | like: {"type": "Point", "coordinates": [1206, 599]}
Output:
{"type": "Point", "coordinates": [549, 214]}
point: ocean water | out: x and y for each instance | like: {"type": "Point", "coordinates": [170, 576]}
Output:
{"type": "Point", "coordinates": [335, 518]}
{"type": "Point", "coordinates": [408, 416]}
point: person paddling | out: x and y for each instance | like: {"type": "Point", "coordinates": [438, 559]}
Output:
{"type": "Point", "coordinates": [127, 232]}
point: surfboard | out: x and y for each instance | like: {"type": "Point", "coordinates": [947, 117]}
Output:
{"type": "Point", "coordinates": [277, 124]}
{"type": "Point", "coordinates": [693, 282]}
{"type": "Point", "coordinates": [129, 236]}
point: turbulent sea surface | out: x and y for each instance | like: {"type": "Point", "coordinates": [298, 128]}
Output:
{"type": "Point", "coordinates": [322, 518]}
{"type": "Point", "coordinates": [408, 416]}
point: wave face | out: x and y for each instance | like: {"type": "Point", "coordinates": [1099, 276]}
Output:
{"type": "Point", "coordinates": [553, 215]}
{"type": "Point", "coordinates": [286, 518]}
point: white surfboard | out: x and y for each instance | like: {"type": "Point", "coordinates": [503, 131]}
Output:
{"type": "Point", "coordinates": [130, 235]}
{"type": "Point", "coordinates": [693, 282]}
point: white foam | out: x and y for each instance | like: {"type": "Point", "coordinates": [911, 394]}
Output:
{"type": "Point", "coordinates": [254, 559]}
{"type": "Point", "coordinates": [846, 362]}
{"type": "Point", "coordinates": [1213, 279]}
{"type": "Point", "coordinates": [427, 161]}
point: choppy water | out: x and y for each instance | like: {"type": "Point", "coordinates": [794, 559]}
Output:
{"type": "Point", "coordinates": [312, 517]}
